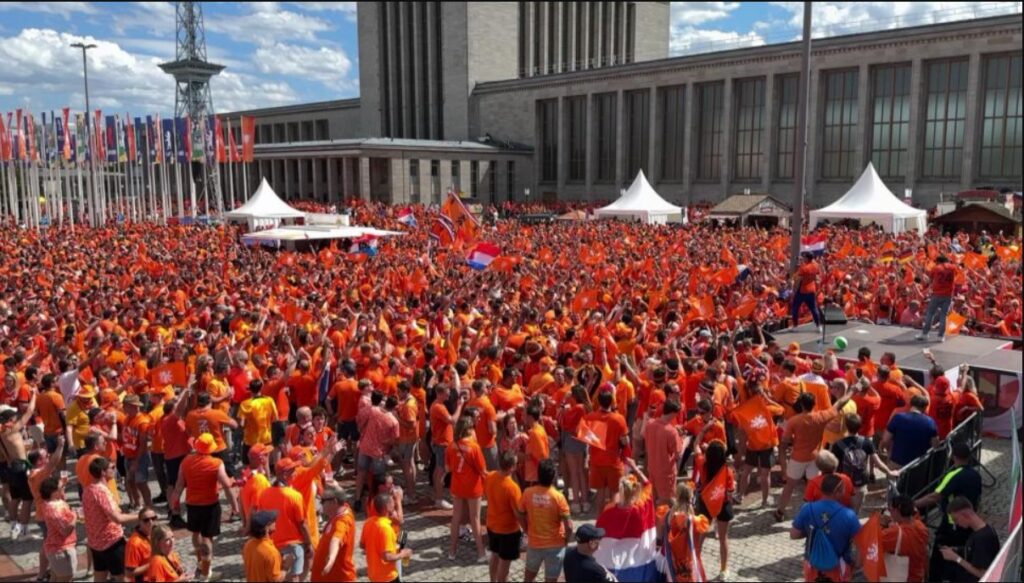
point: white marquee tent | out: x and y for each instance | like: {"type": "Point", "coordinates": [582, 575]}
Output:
{"type": "Point", "coordinates": [870, 201]}
{"type": "Point", "coordinates": [264, 209]}
{"type": "Point", "coordinates": [642, 203]}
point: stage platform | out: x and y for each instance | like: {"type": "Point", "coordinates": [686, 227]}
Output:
{"type": "Point", "coordinates": [982, 353]}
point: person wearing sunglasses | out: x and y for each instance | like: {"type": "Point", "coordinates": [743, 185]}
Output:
{"type": "Point", "coordinates": [138, 551]}
{"type": "Point", "coordinates": [332, 560]}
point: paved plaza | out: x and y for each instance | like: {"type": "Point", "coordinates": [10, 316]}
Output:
{"type": "Point", "coordinates": [761, 549]}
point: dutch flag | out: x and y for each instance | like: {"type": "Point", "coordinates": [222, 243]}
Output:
{"type": "Point", "coordinates": [408, 219]}
{"type": "Point", "coordinates": [629, 549]}
{"type": "Point", "coordinates": [482, 255]}
{"type": "Point", "coordinates": [813, 244]}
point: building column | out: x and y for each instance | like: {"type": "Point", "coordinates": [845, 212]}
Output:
{"type": "Point", "coordinates": [583, 59]}
{"type": "Point", "coordinates": [465, 177]}
{"type": "Point", "coordinates": [399, 168]}
{"type": "Point", "coordinates": [563, 152]}
{"type": "Point", "coordinates": [331, 176]}
{"type": "Point", "coordinates": [433, 61]}
{"type": "Point", "coordinates": [620, 163]}
{"type": "Point", "coordinates": [971, 134]}
{"type": "Point", "coordinates": [655, 121]}
{"type": "Point", "coordinates": [861, 135]}
{"type": "Point", "coordinates": [813, 137]}
{"type": "Point", "coordinates": [620, 47]}
{"type": "Point", "coordinates": [726, 161]}
{"type": "Point", "coordinates": [769, 133]}
{"type": "Point", "coordinates": [688, 137]}
{"type": "Point", "coordinates": [289, 179]}
{"type": "Point", "coordinates": [364, 178]}
{"type": "Point", "coordinates": [569, 59]}
{"type": "Point", "coordinates": [591, 152]}
{"type": "Point", "coordinates": [915, 126]}
{"type": "Point", "coordinates": [417, 87]}
{"type": "Point", "coordinates": [423, 179]}
{"type": "Point", "coordinates": [445, 177]}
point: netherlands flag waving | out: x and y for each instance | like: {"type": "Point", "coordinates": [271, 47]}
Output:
{"type": "Point", "coordinates": [482, 255]}
{"type": "Point", "coordinates": [629, 549]}
{"type": "Point", "coordinates": [814, 244]}
{"type": "Point", "coordinates": [406, 217]}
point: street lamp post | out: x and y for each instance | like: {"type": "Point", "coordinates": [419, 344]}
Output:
{"type": "Point", "coordinates": [88, 133]}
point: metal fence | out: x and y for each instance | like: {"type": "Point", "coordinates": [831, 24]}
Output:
{"type": "Point", "coordinates": [923, 474]}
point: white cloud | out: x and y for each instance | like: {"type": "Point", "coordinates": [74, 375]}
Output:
{"type": "Point", "coordinates": [40, 65]}
{"type": "Point", "coordinates": [693, 13]}
{"type": "Point", "coordinates": [690, 40]}
{"type": "Point", "coordinates": [837, 18]}
{"type": "Point", "coordinates": [65, 9]}
{"type": "Point", "coordinates": [327, 66]}
{"type": "Point", "coordinates": [266, 24]}
{"type": "Point", "coordinates": [346, 8]}
{"type": "Point", "coordinates": [158, 18]}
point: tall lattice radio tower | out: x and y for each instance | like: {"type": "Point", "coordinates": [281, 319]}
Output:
{"type": "Point", "coordinates": [192, 97]}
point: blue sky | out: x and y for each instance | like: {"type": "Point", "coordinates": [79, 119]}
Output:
{"type": "Point", "coordinates": [278, 53]}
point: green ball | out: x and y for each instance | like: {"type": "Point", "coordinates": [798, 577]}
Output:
{"type": "Point", "coordinates": [840, 343]}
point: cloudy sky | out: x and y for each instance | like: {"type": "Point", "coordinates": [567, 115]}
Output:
{"type": "Point", "coordinates": [279, 53]}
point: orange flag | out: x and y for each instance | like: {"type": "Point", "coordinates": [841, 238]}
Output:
{"type": "Point", "coordinates": [954, 322]}
{"type": "Point", "coordinates": [591, 256]}
{"type": "Point", "coordinates": [383, 327]}
{"type": "Point", "coordinates": [1008, 253]}
{"type": "Point", "coordinates": [504, 264]}
{"type": "Point", "coordinates": [713, 493]}
{"type": "Point", "coordinates": [870, 548]}
{"type": "Point", "coordinates": [593, 433]}
{"type": "Point", "coordinates": [724, 277]}
{"type": "Point", "coordinates": [464, 224]}
{"type": "Point", "coordinates": [585, 300]}
{"type": "Point", "coordinates": [744, 309]}
{"type": "Point", "coordinates": [727, 256]}
{"type": "Point", "coordinates": [173, 373]}
{"type": "Point", "coordinates": [975, 261]}
{"type": "Point", "coordinates": [704, 306]}
{"type": "Point", "coordinates": [756, 420]}
{"type": "Point", "coordinates": [295, 315]}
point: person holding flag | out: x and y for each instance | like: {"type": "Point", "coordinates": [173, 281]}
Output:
{"type": "Point", "coordinates": [906, 536]}
{"type": "Point", "coordinates": [684, 538]}
{"type": "Point", "coordinates": [714, 495]}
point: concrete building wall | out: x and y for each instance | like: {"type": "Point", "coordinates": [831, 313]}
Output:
{"type": "Point", "coordinates": [652, 30]}
{"type": "Point", "coordinates": [507, 109]}
{"type": "Point", "coordinates": [369, 71]}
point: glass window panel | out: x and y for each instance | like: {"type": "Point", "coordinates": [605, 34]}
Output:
{"type": "Point", "coordinates": [1001, 139]}
{"type": "Point", "coordinates": [749, 128]}
{"type": "Point", "coordinates": [708, 137]}
{"type": "Point", "coordinates": [547, 120]}
{"type": "Point", "coordinates": [840, 122]}
{"type": "Point", "coordinates": [945, 117]}
{"type": "Point", "coordinates": [604, 135]}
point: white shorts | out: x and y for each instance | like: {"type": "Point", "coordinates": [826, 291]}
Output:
{"type": "Point", "coordinates": [796, 470]}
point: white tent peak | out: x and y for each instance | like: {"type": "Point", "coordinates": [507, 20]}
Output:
{"type": "Point", "coordinates": [642, 202]}
{"type": "Point", "coordinates": [870, 200]}
{"type": "Point", "coordinates": [265, 203]}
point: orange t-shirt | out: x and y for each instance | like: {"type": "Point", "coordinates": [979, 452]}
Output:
{"type": "Point", "coordinates": [546, 511]}
{"type": "Point", "coordinates": [347, 392]}
{"type": "Point", "coordinates": [218, 389]}
{"type": "Point", "coordinates": [342, 527]}
{"type": "Point", "coordinates": [275, 389]}
{"type": "Point", "coordinates": [49, 405]}
{"type": "Point", "coordinates": [487, 416]}
{"type": "Point", "coordinates": [209, 421]}
{"type": "Point", "coordinates": [137, 551]}
{"type": "Point", "coordinates": [503, 496]}
{"type": "Point", "coordinates": [201, 485]}
{"type": "Point", "coordinates": [812, 493]}
{"type": "Point", "coordinates": [913, 544]}
{"type": "Point", "coordinates": [262, 560]}
{"type": "Point", "coordinates": [808, 275]}
{"type": "Point", "coordinates": [609, 456]}
{"type": "Point", "coordinates": [441, 431]}
{"type": "Point", "coordinates": [379, 538]}
{"type": "Point", "coordinates": [408, 431]}
{"type": "Point", "coordinates": [466, 462]}
{"type": "Point", "coordinates": [156, 416]}
{"type": "Point", "coordinates": [288, 504]}
{"type": "Point", "coordinates": [249, 494]}
{"type": "Point", "coordinates": [164, 569]}
{"type": "Point", "coordinates": [537, 450]}
{"type": "Point", "coordinates": [136, 430]}
{"type": "Point", "coordinates": [806, 430]}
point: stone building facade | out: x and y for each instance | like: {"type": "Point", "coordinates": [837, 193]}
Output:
{"type": "Point", "coordinates": [515, 104]}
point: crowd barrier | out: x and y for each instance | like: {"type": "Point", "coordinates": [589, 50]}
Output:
{"type": "Point", "coordinates": [923, 474]}
{"type": "Point", "coordinates": [1007, 565]}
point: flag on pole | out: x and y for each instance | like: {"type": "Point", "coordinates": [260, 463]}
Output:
{"type": "Point", "coordinates": [181, 131]}
{"type": "Point", "coordinates": [30, 128]}
{"type": "Point", "coordinates": [99, 152]}
{"type": "Point", "coordinates": [218, 135]}
{"type": "Point", "coordinates": [870, 548]}
{"type": "Point", "coordinates": [813, 244]}
{"type": "Point", "coordinates": [66, 146]}
{"type": "Point", "coordinates": [19, 137]}
{"type": "Point", "coordinates": [111, 138]}
{"type": "Point", "coordinates": [81, 141]}
{"type": "Point", "coordinates": [592, 433]}
{"type": "Point", "coordinates": [119, 129]}
{"type": "Point", "coordinates": [5, 140]}
{"type": "Point", "coordinates": [198, 141]}
{"type": "Point", "coordinates": [133, 152]}
{"type": "Point", "coordinates": [236, 154]}
{"type": "Point", "coordinates": [248, 137]}
{"type": "Point", "coordinates": [211, 138]}
{"type": "Point", "coordinates": [167, 142]}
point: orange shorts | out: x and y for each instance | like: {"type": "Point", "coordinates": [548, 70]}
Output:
{"type": "Point", "coordinates": [606, 477]}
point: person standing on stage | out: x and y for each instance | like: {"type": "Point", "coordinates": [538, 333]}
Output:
{"type": "Point", "coordinates": [943, 278]}
{"type": "Point", "coordinates": [805, 290]}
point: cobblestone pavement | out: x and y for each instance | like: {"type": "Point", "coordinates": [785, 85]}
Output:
{"type": "Point", "coordinates": [760, 549]}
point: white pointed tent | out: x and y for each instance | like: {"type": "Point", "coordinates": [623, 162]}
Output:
{"type": "Point", "coordinates": [642, 203]}
{"type": "Point", "coordinates": [264, 209]}
{"type": "Point", "coordinates": [870, 201]}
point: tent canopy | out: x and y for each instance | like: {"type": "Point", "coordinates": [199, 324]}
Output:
{"type": "Point", "coordinates": [643, 203]}
{"type": "Point", "coordinates": [871, 201]}
{"type": "Point", "coordinates": [264, 207]}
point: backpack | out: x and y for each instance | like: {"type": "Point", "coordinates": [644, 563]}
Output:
{"type": "Point", "coordinates": [819, 552]}
{"type": "Point", "coordinates": [854, 463]}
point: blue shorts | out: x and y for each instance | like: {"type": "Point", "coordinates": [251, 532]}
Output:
{"type": "Point", "coordinates": [299, 553]}
{"type": "Point", "coordinates": [552, 559]}
{"type": "Point", "coordinates": [439, 455]}
{"type": "Point", "coordinates": [141, 474]}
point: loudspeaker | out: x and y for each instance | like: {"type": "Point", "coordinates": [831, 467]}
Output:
{"type": "Point", "coordinates": [833, 315]}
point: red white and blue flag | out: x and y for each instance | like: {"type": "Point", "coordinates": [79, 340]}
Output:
{"type": "Point", "coordinates": [813, 244]}
{"type": "Point", "coordinates": [406, 217]}
{"type": "Point", "coordinates": [629, 548]}
{"type": "Point", "coordinates": [482, 255]}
